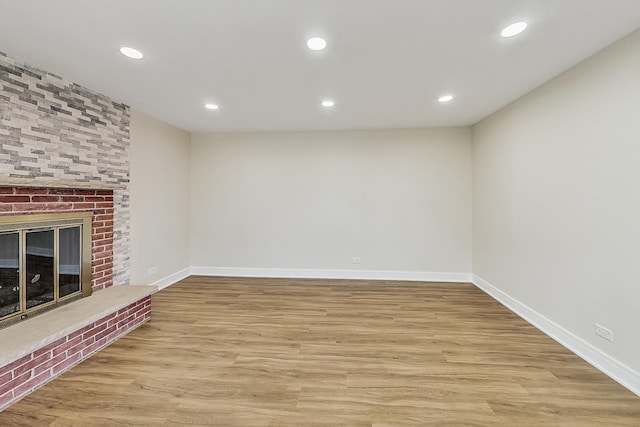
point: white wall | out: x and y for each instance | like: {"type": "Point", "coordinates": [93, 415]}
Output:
{"type": "Point", "coordinates": [556, 200]}
{"type": "Point", "coordinates": [159, 156]}
{"type": "Point", "coordinates": [399, 200]}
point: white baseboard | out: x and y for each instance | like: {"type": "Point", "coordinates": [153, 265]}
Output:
{"type": "Point", "coordinates": [332, 274]}
{"type": "Point", "coordinates": [603, 362]}
{"type": "Point", "coordinates": [172, 278]}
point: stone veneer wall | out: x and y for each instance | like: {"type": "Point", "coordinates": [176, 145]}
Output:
{"type": "Point", "coordinates": [53, 130]}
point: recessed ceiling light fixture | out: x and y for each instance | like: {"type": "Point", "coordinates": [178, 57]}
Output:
{"type": "Point", "coordinates": [445, 98]}
{"type": "Point", "coordinates": [514, 29]}
{"type": "Point", "coordinates": [131, 52]}
{"type": "Point", "coordinates": [211, 106]}
{"type": "Point", "coordinates": [328, 103]}
{"type": "Point", "coordinates": [316, 43]}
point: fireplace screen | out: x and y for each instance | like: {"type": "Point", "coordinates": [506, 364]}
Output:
{"type": "Point", "coordinates": [44, 260]}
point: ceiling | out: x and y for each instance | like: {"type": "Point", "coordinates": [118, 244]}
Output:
{"type": "Point", "coordinates": [386, 63]}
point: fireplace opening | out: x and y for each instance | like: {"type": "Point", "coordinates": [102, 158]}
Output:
{"type": "Point", "coordinates": [45, 260]}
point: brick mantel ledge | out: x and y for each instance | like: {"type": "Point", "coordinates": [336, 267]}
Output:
{"type": "Point", "coordinates": [58, 183]}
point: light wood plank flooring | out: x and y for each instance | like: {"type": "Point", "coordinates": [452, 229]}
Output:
{"type": "Point", "coordinates": [281, 352]}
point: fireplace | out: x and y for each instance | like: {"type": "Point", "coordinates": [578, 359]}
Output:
{"type": "Point", "coordinates": [55, 247]}
{"type": "Point", "coordinates": [44, 261]}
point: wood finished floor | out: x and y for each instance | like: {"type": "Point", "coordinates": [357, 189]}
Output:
{"type": "Point", "coordinates": [281, 352]}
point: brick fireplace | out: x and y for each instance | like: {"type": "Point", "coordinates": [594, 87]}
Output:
{"type": "Point", "coordinates": [65, 148]}
{"type": "Point", "coordinates": [27, 364]}
{"type": "Point", "coordinates": [15, 201]}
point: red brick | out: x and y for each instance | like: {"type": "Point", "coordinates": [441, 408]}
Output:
{"type": "Point", "coordinates": [58, 206]}
{"type": "Point", "coordinates": [42, 199]}
{"type": "Point", "coordinates": [83, 205]}
{"type": "Point", "coordinates": [62, 191]}
{"type": "Point", "coordinates": [6, 207]}
{"type": "Point", "coordinates": [30, 190]}
{"type": "Point", "coordinates": [104, 280]}
{"type": "Point", "coordinates": [84, 192]}
{"type": "Point", "coordinates": [7, 190]}
{"type": "Point", "coordinates": [48, 364]}
{"type": "Point", "coordinates": [143, 313]}
{"type": "Point", "coordinates": [66, 364]}
{"type": "Point", "coordinates": [31, 384]}
{"type": "Point", "coordinates": [10, 366]}
{"type": "Point", "coordinates": [102, 242]}
{"type": "Point", "coordinates": [99, 249]}
{"type": "Point", "coordinates": [101, 268]}
{"type": "Point", "coordinates": [104, 192]}
{"type": "Point", "coordinates": [49, 347]}
{"type": "Point", "coordinates": [102, 256]}
{"type": "Point", "coordinates": [85, 342]}
{"type": "Point", "coordinates": [86, 337]}
{"type": "Point", "coordinates": [24, 207]}
{"type": "Point", "coordinates": [67, 345]}
{"type": "Point", "coordinates": [14, 382]}
{"type": "Point", "coordinates": [6, 398]}
{"type": "Point", "coordinates": [30, 364]}
{"type": "Point", "coordinates": [5, 377]}
{"type": "Point", "coordinates": [105, 332]}
{"type": "Point", "coordinates": [95, 199]}
{"type": "Point", "coordinates": [15, 199]}
{"type": "Point", "coordinates": [115, 335]}
{"type": "Point", "coordinates": [104, 211]}
{"type": "Point", "coordinates": [80, 331]}
{"type": "Point", "coordinates": [116, 319]}
{"type": "Point", "coordinates": [136, 308]}
{"type": "Point", "coordinates": [123, 323]}
{"type": "Point", "coordinates": [75, 199]}
{"type": "Point", "coordinates": [94, 347]}
{"type": "Point", "coordinates": [103, 320]}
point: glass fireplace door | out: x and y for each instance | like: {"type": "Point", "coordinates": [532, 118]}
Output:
{"type": "Point", "coordinates": [40, 267]}
{"type": "Point", "coordinates": [69, 260]}
{"type": "Point", "coordinates": [9, 273]}
{"type": "Point", "coordinates": [45, 260]}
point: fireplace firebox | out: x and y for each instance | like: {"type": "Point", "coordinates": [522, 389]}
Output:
{"type": "Point", "coordinates": [45, 260]}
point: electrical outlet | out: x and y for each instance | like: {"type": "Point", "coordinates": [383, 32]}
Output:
{"type": "Point", "coordinates": [152, 271]}
{"type": "Point", "coordinates": [355, 260]}
{"type": "Point", "coordinates": [605, 333]}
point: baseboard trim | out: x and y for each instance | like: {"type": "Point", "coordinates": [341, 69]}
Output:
{"type": "Point", "coordinates": [619, 372]}
{"type": "Point", "coordinates": [332, 274]}
{"type": "Point", "coordinates": [172, 278]}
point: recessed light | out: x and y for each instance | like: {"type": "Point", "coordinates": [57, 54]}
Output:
{"type": "Point", "coordinates": [328, 103]}
{"type": "Point", "coordinates": [316, 43]}
{"type": "Point", "coordinates": [514, 29]}
{"type": "Point", "coordinates": [131, 52]}
{"type": "Point", "coordinates": [211, 106]}
{"type": "Point", "coordinates": [445, 98]}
